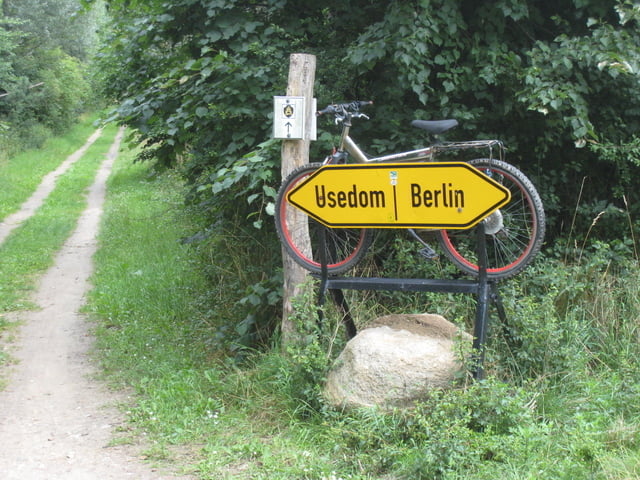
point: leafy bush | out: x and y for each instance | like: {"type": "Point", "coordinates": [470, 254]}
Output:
{"type": "Point", "coordinates": [447, 433]}
{"type": "Point", "coordinates": [239, 247]}
{"type": "Point", "coordinates": [572, 311]}
{"type": "Point", "coordinates": [46, 46]}
{"type": "Point", "coordinates": [197, 77]}
{"type": "Point", "coordinates": [308, 359]}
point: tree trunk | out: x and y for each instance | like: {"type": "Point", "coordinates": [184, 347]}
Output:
{"type": "Point", "coordinates": [294, 154]}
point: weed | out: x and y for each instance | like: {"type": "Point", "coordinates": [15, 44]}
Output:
{"type": "Point", "coordinates": [559, 400]}
{"type": "Point", "coordinates": [21, 174]}
{"type": "Point", "coordinates": [31, 247]}
{"type": "Point", "coordinates": [310, 357]}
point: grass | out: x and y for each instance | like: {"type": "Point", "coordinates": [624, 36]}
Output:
{"type": "Point", "coordinates": [150, 337]}
{"type": "Point", "coordinates": [560, 402]}
{"type": "Point", "coordinates": [30, 248]}
{"type": "Point", "coordinates": [21, 174]}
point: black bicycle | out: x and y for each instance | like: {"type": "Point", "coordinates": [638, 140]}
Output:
{"type": "Point", "coordinates": [513, 234]}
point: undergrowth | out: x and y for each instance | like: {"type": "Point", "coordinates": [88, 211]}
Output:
{"type": "Point", "coordinates": [559, 400]}
{"type": "Point", "coordinates": [30, 248]}
{"type": "Point", "coordinates": [22, 173]}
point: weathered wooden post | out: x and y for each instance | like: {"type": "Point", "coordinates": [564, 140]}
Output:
{"type": "Point", "coordinates": [295, 153]}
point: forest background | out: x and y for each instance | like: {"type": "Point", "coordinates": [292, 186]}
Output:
{"type": "Point", "coordinates": [556, 81]}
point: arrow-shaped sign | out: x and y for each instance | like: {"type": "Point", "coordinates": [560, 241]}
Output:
{"type": "Point", "coordinates": [452, 195]}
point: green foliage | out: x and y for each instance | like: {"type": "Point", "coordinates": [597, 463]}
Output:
{"type": "Point", "coordinates": [540, 414]}
{"type": "Point", "coordinates": [52, 24]}
{"type": "Point", "coordinates": [447, 433]}
{"type": "Point", "coordinates": [535, 340]}
{"type": "Point", "coordinates": [243, 188]}
{"type": "Point", "coordinates": [310, 356]}
{"type": "Point", "coordinates": [524, 72]}
{"type": "Point", "coordinates": [9, 38]}
{"type": "Point", "coordinates": [262, 302]}
{"type": "Point", "coordinates": [61, 95]}
{"type": "Point", "coordinates": [44, 48]}
{"type": "Point", "coordinates": [199, 71]}
{"type": "Point", "coordinates": [396, 254]}
{"type": "Point", "coordinates": [565, 318]}
{"type": "Point", "coordinates": [196, 78]}
{"type": "Point", "coordinates": [233, 256]}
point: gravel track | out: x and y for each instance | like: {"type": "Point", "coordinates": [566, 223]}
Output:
{"type": "Point", "coordinates": [57, 421]}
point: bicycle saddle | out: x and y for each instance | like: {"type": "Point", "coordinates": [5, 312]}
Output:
{"type": "Point", "coordinates": [435, 126]}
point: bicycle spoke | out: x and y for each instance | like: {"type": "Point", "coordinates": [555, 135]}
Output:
{"type": "Point", "coordinates": [517, 229]}
{"type": "Point", "coordinates": [301, 234]}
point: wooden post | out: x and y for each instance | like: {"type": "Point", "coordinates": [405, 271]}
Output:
{"type": "Point", "coordinates": [295, 153]}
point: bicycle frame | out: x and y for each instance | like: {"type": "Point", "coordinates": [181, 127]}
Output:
{"type": "Point", "coordinates": [348, 145]}
{"type": "Point", "coordinates": [514, 233]}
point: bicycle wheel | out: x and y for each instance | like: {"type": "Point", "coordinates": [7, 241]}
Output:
{"type": "Point", "coordinates": [513, 233]}
{"type": "Point", "coordinates": [300, 234]}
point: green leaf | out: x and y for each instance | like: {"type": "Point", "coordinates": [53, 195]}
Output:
{"type": "Point", "coordinates": [269, 191]}
{"type": "Point", "coordinates": [270, 208]}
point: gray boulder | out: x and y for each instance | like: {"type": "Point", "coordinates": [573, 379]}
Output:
{"type": "Point", "coordinates": [396, 361]}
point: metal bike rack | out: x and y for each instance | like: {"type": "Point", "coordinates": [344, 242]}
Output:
{"type": "Point", "coordinates": [485, 291]}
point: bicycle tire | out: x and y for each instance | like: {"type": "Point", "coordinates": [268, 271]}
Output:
{"type": "Point", "coordinates": [514, 233]}
{"type": "Point", "coordinates": [344, 247]}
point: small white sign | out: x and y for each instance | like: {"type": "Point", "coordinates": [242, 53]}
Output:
{"type": "Point", "coordinates": [289, 118]}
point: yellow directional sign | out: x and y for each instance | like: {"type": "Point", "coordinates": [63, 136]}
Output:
{"type": "Point", "coordinates": [452, 195]}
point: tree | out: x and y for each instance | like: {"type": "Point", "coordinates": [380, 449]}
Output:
{"type": "Point", "coordinates": [8, 42]}
{"type": "Point", "coordinates": [550, 78]}
{"type": "Point", "coordinates": [557, 81]}
{"type": "Point", "coordinates": [51, 24]}
{"type": "Point", "coordinates": [44, 46]}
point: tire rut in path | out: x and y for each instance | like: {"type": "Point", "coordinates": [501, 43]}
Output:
{"type": "Point", "coordinates": [46, 186]}
{"type": "Point", "coordinates": [55, 422]}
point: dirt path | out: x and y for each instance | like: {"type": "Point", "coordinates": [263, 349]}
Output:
{"type": "Point", "coordinates": [47, 185]}
{"type": "Point", "coordinates": [56, 422]}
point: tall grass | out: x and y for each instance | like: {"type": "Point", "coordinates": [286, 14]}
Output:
{"type": "Point", "coordinates": [21, 174]}
{"type": "Point", "coordinates": [30, 248]}
{"type": "Point", "coordinates": [145, 280]}
{"type": "Point", "coordinates": [560, 400]}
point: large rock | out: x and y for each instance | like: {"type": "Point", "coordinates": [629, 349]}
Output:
{"type": "Point", "coordinates": [395, 362]}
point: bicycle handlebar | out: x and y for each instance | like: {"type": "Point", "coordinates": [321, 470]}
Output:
{"type": "Point", "coordinates": [345, 109]}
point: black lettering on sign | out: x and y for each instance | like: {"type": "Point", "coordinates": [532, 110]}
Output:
{"type": "Point", "coordinates": [353, 198]}
{"type": "Point", "coordinates": [447, 197]}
